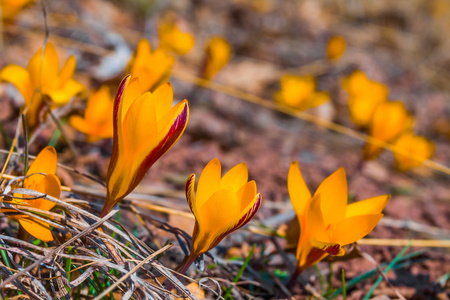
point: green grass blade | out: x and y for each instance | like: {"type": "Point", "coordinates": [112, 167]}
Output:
{"type": "Point", "coordinates": [388, 268]}
{"type": "Point", "coordinates": [241, 271]}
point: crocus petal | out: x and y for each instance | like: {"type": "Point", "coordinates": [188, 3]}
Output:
{"type": "Point", "coordinates": [80, 124]}
{"type": "Point", "coordinates": [130, 91]}
{"type": "Point", "coordinates": [354, 228]}
{"type": "Point", "coordinates": [120, 102]}
{"type": "Point", "coordinates": [140, 129]}
{"type": "Point", "coordinates": [49, 185]}
{"type": "Point", "coordinates": [45, 162]}
{"type": "Point", "coordinates": [235, 178]}
{"type": "Point", "coordinates": [315, 220]}
{"type": "Point", "coordinates": [316, 99]}
{"type": "Point", "coordinates": [298, 191]}
{"type": "Point", "coordinates": [43, 75]}
{"type": "Point", "coordinates": [209, 219]}
{"type": "Point", "coordinates": [246, 193]}
{"type": "Point", "coordinates": [190, 193]}
{"type": "Point", "coordinates": [62, 95]}
{"type": "Point", "coordinates": [19, 77]}
{"type": "Point", "coordinates": [218, 52]}
{"type": "Point", "coordinates": [334, 197]}
{"type": "Point", "coordinates": [37, 228]}
{"type": "Point", "coordinates": [366, 207]}
{"type": "Point", "coordinates": [243, 218]}
{"type": "Point", "coordinates": [99, 102]}
{"type": "Point", "coordinates": [190, 196]}
{"type": "Point", "coordinates": [211, 224]}
{"type": "Point", "coordinates": [336, 47]}
{"type": "Point", "coordinates": [67, 70]}
{"type": "Point", "coordinates": [163, 96]}
{"type": "Point", "coordinates": [209, 181]}
{"type": "Point", "coordinates": [142, 52]}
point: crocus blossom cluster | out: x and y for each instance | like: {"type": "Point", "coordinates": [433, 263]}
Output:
{"type": "Point", "coordinates": [40, 177]}
{"type": "Point", "coordinates": [43, 78]}
{"type": "Point", "coordinates": [300, 93]}
{"type": "Point", "coordinates": [326, 221]}
{"type": "Point", "coordinates": [364, 95]}
{"type": "Point", "coordinates": [386, 121]}
{"type": "Point", "coordinates": [145, 127]}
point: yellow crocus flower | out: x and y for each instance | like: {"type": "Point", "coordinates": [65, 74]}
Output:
{"type": "Point", "coordinates": [336, 47]}
{"type": "Point", "coordinates": [49, 184]}
{"type": "Point", "coordinates": [11, 8]}
{"type": "Point", "coordinates": [220, 206]}
{"type": "Point", "coordinates": [300, 92]}
{"type": "Point", "coordinates": [416, 146]}
{"type": "Point", "coordinates": [389, 120]}
{"type": "Point", "coordinates": [151, 67]}
{"type": "Point", "coordinates": [326, 221]}
{"type": "Point", "coordinates": [218, 53]}
{"type": "Point", "coordinates": [42, 77]}
{"type": "Point", "coordinates": [172, 39]}
{"type": "Point", "coordinates": [364, 95]}
{"type": "Point", "coordinates": [145, 127]}
{"type": "Point", "coordinates": [97, 122]}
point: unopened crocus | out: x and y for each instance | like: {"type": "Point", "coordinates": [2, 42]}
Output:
{"type": "Point", "coordinates": [41, 78]}
{"type": "Point", "coordinates": [46, 183]}
{"type": "Point", "coordinates": [364, 95]}
{"type": "Point", "coordinates": [336, 47]}
{"type": "Point", "coordinates": [220, 206]}
{"type": "Point", "coordinates": [326, 221]}
{"type": "Point", "coordinates": [97, 122]}
{"type": "Point", "coordinates": [389, 120]}
{"type": "Point", "coordinates": [414, 150]}
{"type": "Point", "coordinates": [172, 39]}
{"type": "Point", "coordinates": [218, 52]}
{"type": "Point", "coordinates": [300, 92]}
{"type": "Point", "coordinates": [151, 67]}
{"type": "Point", "coordinates": [145, 127]}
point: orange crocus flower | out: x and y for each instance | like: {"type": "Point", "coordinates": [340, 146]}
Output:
{"type": "Point", "coordinates": [417, 146]}
{"type": "Point", "coordinates": [172, 39]}
{"type": "Point", "coordinates": [364, 95]}
{"type": "Point", "coordinates": [336, 47]}
{"type": "Point", "coordinates": [151, 67]}
{"type": "Point", "coordinates": [389, 120]}
{"type": "Point", "coordinates": [300, 92]}
{"type": "Point", "coordinates": [326, 221]}
{"type": "Point", "coordinates": [49, 184]}
{"type": "Point", "coordinates": [218, 53]}
{"type": "Point", "coordinates": [42, 77]}
{"type": "Point", "coordinates": [145, 127]}
{"type": "Point", "coordinates": [97, 122]}
{"type": "Point", "coordinates": [220, 206]}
